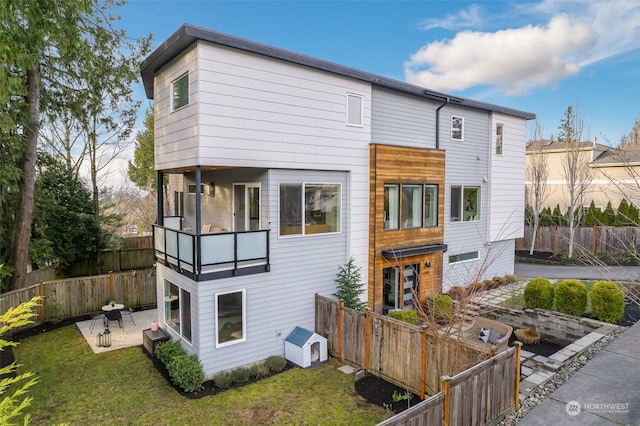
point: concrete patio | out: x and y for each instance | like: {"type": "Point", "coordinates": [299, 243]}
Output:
{"type": "Point", "coordinates": [129, 335]}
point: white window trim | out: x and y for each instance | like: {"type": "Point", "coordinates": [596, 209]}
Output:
{"type": "Point", "coordinates": [186, 74]}
{"type": "Point", "coordinates": [244, 318]}
{"type": "Point", "coordinates": [465, 260]}
{"type": "Point", "coordinates": [496, 140]}
{"type": "Point", "coordinates": [461, 139]}
{"type": "Point", "coordinates": [303, 235]}
{"type": "Point", "coordinates": [179, 333]}
{"type": "Point", "coordinates": [354, 95]}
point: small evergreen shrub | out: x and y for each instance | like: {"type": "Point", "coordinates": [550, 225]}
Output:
{"type": "Point", "coordinates": [260, 370]}
{"type": "Point", "coordinates": [186, 372]}
{"type": "Point", "coordinates": [438, 306]}
{"type": "Point", "coordinates": [406, 315]}
{"type": "Point", "coordinates": [607, 302]}
{"type": "Point", "coordinates": [223, 380]}
{"type": "Point", "coordinates": [538, 294]}
{"type": "Point", "coordinates": [571, 297]}
{"type": "Point", "coordinates": [275, 363]}
{"type": "Point", "coordinates": [350, 285]}
{"type": "Point", "coordinates": [241, 375]}
{"type": "Point", "coordinates": [168, 350]}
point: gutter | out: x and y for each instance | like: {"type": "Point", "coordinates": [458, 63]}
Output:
{"type": "Point", "coordinates": [446, 101]}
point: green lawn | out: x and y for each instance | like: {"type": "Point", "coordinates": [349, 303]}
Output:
{"type": "Point", "coordinates": [122, 387]}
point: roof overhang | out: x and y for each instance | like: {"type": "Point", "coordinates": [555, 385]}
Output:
{"type": "Point", "coordinates": [399, 253]}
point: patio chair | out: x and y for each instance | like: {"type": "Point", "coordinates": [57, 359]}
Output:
{"type": "Point", "coordinates": [115, 315]}
{"type": "Point", "coordinates": [96, 318]}
{"type": "Point", "coordinates": [128, 312]}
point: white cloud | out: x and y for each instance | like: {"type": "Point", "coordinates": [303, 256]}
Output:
{"type": "Point", "coordinates": [515, 60]}
{"type": "Point", "coordinates": [470, 17]}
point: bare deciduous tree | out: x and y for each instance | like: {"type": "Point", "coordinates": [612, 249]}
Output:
{"type": "Point", "coordinates": [537, 172]}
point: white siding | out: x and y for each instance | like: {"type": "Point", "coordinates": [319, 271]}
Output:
{"type": "Point", "coordinates": [279, 300]}
{"type": "Point", "coordinates": [402, 120]}
{"type": "Point", "coordinates": [467, 164]}
{"type": "Point", "coordinates": [176, 132]}
{"type": "Point", "coordinates": [507, 180]}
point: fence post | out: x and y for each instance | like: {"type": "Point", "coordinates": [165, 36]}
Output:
{"type": "Point", "coordinates": [367, 336]}
{"type": "Point", "coordinates": [111, 290]}
{"type": "Point", "coordinates": [594, 245]}
{"type": "Point", "coordinates": [423, 363]}
{"type": "Point", "coordinates": [42, 301]}
{"type": "Point", "coordinates": [446, 391]}
{"type": "Point", "coordinates": [554, 233]}
{"type": "Point", "coordinates": [516, 397]}
{"type": "Point", "coordinates": [340, 308]}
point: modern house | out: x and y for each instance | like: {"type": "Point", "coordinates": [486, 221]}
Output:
{"type": "Point", "coordinates": [281, 167]}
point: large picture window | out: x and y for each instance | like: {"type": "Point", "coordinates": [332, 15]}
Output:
{"type": "Point", "coordinates": [410, 206]}
{"type": "Point", "coordinates": [309, 208]}
{"type": "Point", "coordinates": [230, 318]}
{"type": "Point", "coordinates": [465, 203]}
{"type": "Point", "coordinates": [177, 309]}
{"type": "Point", "coordinates": [180, 92]}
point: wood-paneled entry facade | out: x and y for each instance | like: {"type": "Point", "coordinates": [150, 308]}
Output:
{"type": "Point", "coordinates": [406, 230]}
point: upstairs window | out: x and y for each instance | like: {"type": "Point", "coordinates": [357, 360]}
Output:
{"type": "Point", "coordinates": [465, 203]}
{"type": "Point", "coordinates": [354, 110]}
{"type": "Point", "coordinates": [180, 92]}
{"type": "Point", "coordinates": [457, 128]}
{"type": "Point", "coordinates": [410, 206]}
{"type": "Point", "coordinates": [309, 208]}
{"type": "Point", "coordinates": [499, 133]}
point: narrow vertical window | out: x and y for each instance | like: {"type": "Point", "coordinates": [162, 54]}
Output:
{"type": "Point", "coordinates": [456, 204]}
{"type": "Point", "coordinates": [391, 206]}
{"type": "Point", "coordinates": [354, 110]}
{"type": "Point", "coordinates": [290, 209]}
{"type": "Point", "coordinates": [499, 133]}
{"type": "Point", "coordinates": [180, 92]}
{"type": "Point", "coordinates": [471, 203]}
{"type": "Point", "coordinates": [430, 205]}
{"type": "Point", "coordinates": [457, 128]}
{"type": "Point", "coordinates": [411, 206]}
{"type": "Point", "coordinates": [230, 318]}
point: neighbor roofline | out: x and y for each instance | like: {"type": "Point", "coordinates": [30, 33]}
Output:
{"type": "Point", "coordinates": [188, 34]}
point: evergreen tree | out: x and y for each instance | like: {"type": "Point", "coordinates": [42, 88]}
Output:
{"type": "Point", "coordinates": [608, 216]}
{"type": "Point", "coordinates": [350, 286]}
{"type": "Point", "coordinates": [633, 215]}
{"type": "Point", "coordinates": [592, 217]}
{"type": "Point", "coordinates": [141, 170]}
{"type": "Point", "coordinates": [557, 217]}
{"type": "Point", "coordinates": [622, 216]}
{"type": "Point", "coordinates": [546, 217]}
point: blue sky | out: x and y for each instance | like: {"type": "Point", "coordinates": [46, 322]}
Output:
{"type": "Point", "coordinates": [536, 56]}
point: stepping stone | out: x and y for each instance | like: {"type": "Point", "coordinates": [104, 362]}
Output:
{"type": "Point", "coordinates": [526, 371]}
{"type": "Point", "coordinates": [347, 369]}
{"type": "Point", "coordinates": [541, 359]}
{"type": "Point", "coordinates": [526, 354]}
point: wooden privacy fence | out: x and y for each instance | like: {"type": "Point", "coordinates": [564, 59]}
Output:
{"type": "Point", "coordinates": [75, 297]}
{"type": "Point", "coordinates": [485, 393]}
{"type": "Point", "coordinates": [409, 356]}
{"type": "Point", "coordinates": [612, 240]}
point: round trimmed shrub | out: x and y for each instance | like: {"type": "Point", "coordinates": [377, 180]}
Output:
{"type": "Point", "coordinates": [186, 372]}
{"type": "Point", "coordinates": [167, 351]}
{"type": "Point", "coordinates": [406, 315]}
{"type": "Point", "coordinates": [275, 363]}
{"type": "Point", "coordinates": [438, 306]}
{"type": "Point", "coordinates": [538, 294]}
{"type": "Point", "coordinates": [607, 302]}
{"type": "Point", "coordinates": [571, 297]}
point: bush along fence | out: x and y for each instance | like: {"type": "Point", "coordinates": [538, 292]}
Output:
{"type": "Point", "coordinates": [595, 239]}
{"type": "Point", "coordinates": [416, 358]}
{"type": "Point", "coordinates": [75, 297]}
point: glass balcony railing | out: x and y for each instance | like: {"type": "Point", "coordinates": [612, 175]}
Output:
{"type": "Point", "coordinates": [212, 256]}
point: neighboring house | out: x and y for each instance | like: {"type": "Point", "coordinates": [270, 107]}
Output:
{"type": "Point", "coordinates": [615, 173]}
{"type": "Point", "coordinates": [283, 166]}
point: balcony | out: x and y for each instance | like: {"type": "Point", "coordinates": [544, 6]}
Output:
{"type": "Point", "coordinates": [212, 256]}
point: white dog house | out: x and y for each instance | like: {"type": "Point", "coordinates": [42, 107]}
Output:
{"type": "Point", "coordinates": [303, 347]}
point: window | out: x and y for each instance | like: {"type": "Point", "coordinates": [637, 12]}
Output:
{"type": "Point", "coordinates": [457, 128]}
{"type": "Point", "coordinates": [178, 202]}
{"type": "Point", "coordinates": [406, 207]}
{"type": "Point", "coordinates": [230, 318]}
{"type": "Point", "coordinates": [309, 208]}
{"type": "Point", "coordinates": [180, 92]}
{"type": "Point", "coordinates": [463, 257]}
{"type": "Point", "coordinates": [430, 205]}
{"type": "Point", "coordinates": [354, 110]}
{"type": "Point", "coordinates": [465, 203]}
{"type": "Point", "coordinates": [412, 206]}
{"type": "Point", "coordinates": [191, 188]}
{"type": "Point", "coordinates": [499, 132]}
{"type": "Point", "coordinates": [177, 309]}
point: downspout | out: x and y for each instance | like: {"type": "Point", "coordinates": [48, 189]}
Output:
{"type": "Point", "coordinates": [446, 101]}
{"type": "Point", "coordinates": [160, 199]}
